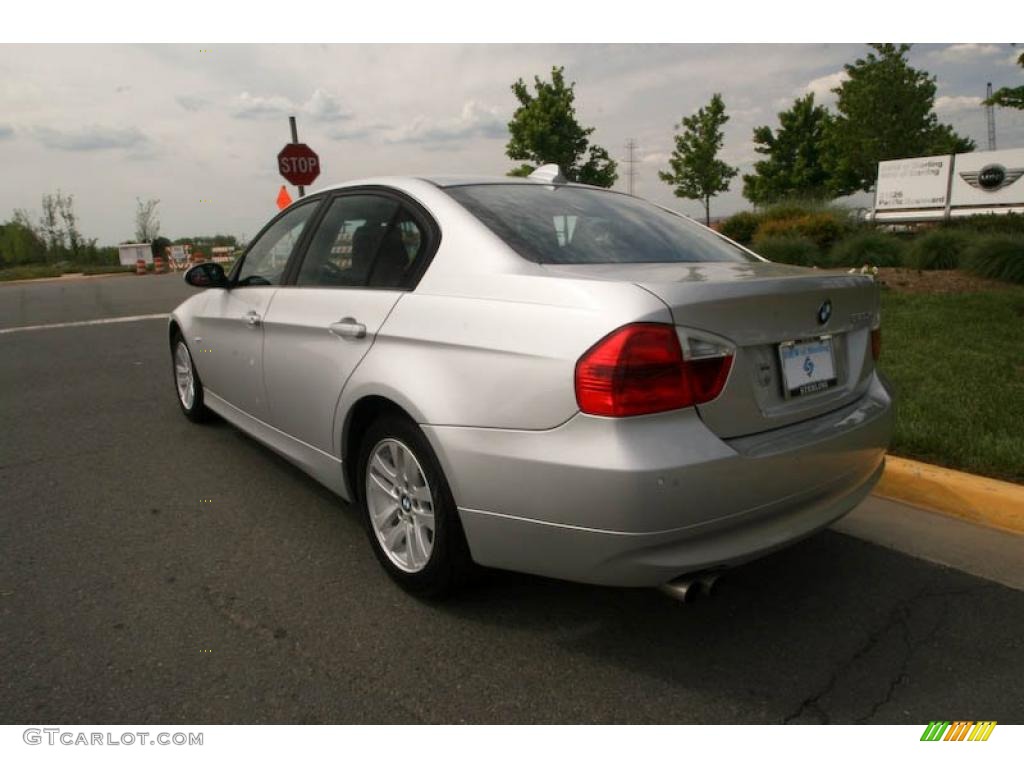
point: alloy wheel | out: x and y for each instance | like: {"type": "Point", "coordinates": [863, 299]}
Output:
{"type": "Point", "coordinates": [184, 377]}
{"type": "Point", "coordinates": [400, 504]}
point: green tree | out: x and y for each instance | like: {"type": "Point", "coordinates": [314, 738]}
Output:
{"type": "Point", "coordinates": [19, 243]}
{"type": "Point", "coordinates": [794, 166]}
{"type": "Point", "coordinates": [544, 129]}
{"type": "Point", "coordinates": [885, 111]}
{"type": "Point", "coordinates": [696, 172]}
{"type": "Point", "coordinates": [1009, 97]}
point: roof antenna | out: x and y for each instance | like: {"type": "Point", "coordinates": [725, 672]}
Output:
{"type": "Point", "coordinates": [548, 174]}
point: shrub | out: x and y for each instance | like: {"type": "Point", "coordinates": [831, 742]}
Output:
{"type": "Point", "coordinates": [823, 227]}
{"type": "Point", "coordinates": [788, 249]}
{"type": "Point", "coordinates": [741, 227]}
{"type": "Point", "coordinates": [989, 223]}
{"type": "Point", "coordinates": [29, 272]}
{"type": "Point", "coordinates": [793, 209]}
{"type": "Point", "coordinates": [997, 256]}
{"type": "Point", "coordinates": [877, 249]}
{"type": "Point", "coordinates": [939, 249]}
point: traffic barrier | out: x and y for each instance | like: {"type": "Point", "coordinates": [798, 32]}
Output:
{"type": "Point", "coordinates": [140, 266]}
{"type": "Point", "coordinates": [159, 265]}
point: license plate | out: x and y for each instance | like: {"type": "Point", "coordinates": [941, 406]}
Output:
{"type": "Point", "coordinates": [808, 366]}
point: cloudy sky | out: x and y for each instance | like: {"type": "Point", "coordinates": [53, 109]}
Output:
{"type": "Point", "coordinates": [199, 129]}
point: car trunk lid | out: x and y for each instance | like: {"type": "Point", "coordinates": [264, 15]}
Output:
{"type": "Point", "coordinates": [756, 307]}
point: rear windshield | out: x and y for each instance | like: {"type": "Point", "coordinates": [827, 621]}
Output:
{"type": "Point", "coordinates": [573, 225]}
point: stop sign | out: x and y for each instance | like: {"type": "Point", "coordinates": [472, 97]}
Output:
{"type": "Point", "coordinates": [298, 164]}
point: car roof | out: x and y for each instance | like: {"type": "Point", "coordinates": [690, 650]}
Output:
{"type": "Point", "coordinates": [461, 181]}
{"type": "Point", "coordinates": [444, 181]}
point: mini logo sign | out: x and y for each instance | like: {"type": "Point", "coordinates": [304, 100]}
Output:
{"type": "Point", "coordinates": [992, 177]}
{"type": "Point", "coordinates": [960, 730]}
{"type": "Point", "coordinates": [825, 312]}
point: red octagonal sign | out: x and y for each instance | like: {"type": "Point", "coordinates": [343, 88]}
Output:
{"type": "Point", "coordinates": [299, 164]}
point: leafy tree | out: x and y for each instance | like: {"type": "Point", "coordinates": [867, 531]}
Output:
{"type": "Point", "coordinates": [66, 211]}
{"type": "Point", "coordinates": [544, 129]}
{"type": "Point", "coordinates": [50, 227]}
{"type": "Point", "coordinates": [19, 243]}
{"type": "Point", "coordinates": [696, 172]}
{"type": "Point", "coordinates": [158, 247]}
{"type": "Point", "coordinates": [1009, 97]}
{"type": "Point", "coordinates": [795, 165]}
{"type": "Point", "coordinates": [57, 230]}
{"type": "Point", "coordinates": [885, 111]}
{"type": "Point", "coordinates": [208, 241]}
{"type": "Point", "coordinates": [147, 225]}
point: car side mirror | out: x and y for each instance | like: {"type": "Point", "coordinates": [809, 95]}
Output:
{"type": "Point", "coordinates": [207, 274]}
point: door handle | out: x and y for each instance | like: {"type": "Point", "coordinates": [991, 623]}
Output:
{"type": "Point", "coordinates": [348, 328]}
{"type": "Point", "coordinates": [252, 319]}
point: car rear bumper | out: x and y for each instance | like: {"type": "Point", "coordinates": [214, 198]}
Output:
{"type": "Point", "coordinates": [640, 501]}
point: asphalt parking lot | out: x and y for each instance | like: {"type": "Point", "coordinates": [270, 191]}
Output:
{"type": "Point", "coordinates": [152, 570]}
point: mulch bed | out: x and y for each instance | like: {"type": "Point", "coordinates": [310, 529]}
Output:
{"type": "Point", "coordinates": [936, 281]}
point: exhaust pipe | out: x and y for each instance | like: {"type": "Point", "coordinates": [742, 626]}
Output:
{"type": "Point", "coordinates": [686, 589]}
{"type": "Point", "coordinates": [708, 582]}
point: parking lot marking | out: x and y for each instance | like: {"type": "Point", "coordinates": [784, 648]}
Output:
{"type": "Point", "coordinates": [80, 323]}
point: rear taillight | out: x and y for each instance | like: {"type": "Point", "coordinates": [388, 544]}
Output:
{"type": "Point", "coordinates": [640, 368]}
{"type": "Point", "coordinates": [876, 343]}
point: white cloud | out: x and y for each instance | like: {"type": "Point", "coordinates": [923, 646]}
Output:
{"type": "Point", "coordinates": [323, 106]}
{"type": "Point", "coordinates": [947, 104]}
{"type": "Point", "coordinates": [822, 86]}
{"type": "Point", "coordinates": [656, 158]}
{"type": "Point", "coordinates": [191, 103]}
{"type": "Point", "coordinates": [475, 121]}
{"type": "Point", "coordinates": [249, 107]}
{"type": "Point", "coordinates": [962, 51]}
{"type": "Point", "coordinates": [89, 138]}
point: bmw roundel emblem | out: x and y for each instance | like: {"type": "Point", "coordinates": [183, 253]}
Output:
{"type": "Point", "coordinates": [825, 312]}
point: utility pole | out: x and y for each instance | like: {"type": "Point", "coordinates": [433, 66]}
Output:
{"type": "Point", "coordinates": [631, 165]}
{"type": "Point", "coordinates": [295, 140]}
{"type": "Point", "coordinates": [990, 114]}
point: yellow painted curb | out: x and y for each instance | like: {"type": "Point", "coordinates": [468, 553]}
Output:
{"type": "Point", "coordinates": [981, 500]}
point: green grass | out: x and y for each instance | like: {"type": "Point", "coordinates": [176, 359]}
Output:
{"type": "Point", "coordinates": [29, 272]}
{"type": "Point", "coordinates": [957, 365]}
{"type": "Point", "coordinates": [32, 271]}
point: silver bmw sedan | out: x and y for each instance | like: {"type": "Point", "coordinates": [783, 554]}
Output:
{"type": "Point", "coordinates": [543, 377]}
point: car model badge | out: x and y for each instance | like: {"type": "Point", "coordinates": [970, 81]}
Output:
{"type": "Point", "coordinates": [764, 374]}
{"type": "Point", "coordinates": [825, 312]}
{"type": "Point", "coordinates": [992, 177]}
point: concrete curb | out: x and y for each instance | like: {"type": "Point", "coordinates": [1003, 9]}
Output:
{"type": "Point", "coordinates": [980, 500]}
{"type": "Point", "coordinates": [70, 277]}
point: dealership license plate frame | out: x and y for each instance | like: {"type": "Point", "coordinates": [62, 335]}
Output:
{"type": "Point", "coordinates": [815, 387]}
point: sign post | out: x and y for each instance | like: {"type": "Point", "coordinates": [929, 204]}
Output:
{"type": "Point", "coordinates": [299, 164]}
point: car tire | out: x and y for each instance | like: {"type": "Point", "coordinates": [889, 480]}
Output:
{"type": "Point", "coordinates": [188, 388]}
{"type": "Point", "coordinates": [414, 525]}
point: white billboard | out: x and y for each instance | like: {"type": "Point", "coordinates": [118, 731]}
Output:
{"type": "Point", "coordinates": [914, 184]}
{"type": "Point", "coordinates": [989, 181]}
{"type": "Point", "coordinates": [941, 186]}
{"type": "Point", "coordinates": [128, 253]}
